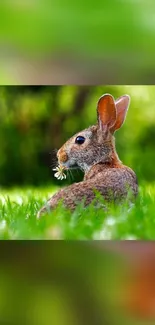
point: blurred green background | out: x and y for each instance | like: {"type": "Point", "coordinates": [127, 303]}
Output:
{"type": "Point", "coordinates": [34, 121]}
{"type": "Point", "coordinates": [61, 42]}
{"type": "Point", "coordinates": [77, 283]}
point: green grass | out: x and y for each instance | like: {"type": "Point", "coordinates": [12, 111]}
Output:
{"type": "Point", "coordinates": [18, 209]}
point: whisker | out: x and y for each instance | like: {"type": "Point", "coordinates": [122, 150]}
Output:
{"type": "Point", "coordinates": [53, 158]}
{"type": "Point", "coordinates": [71, 174]}
{"type": "Point", "coordinates": [77, 172]}
{"type": "Point", "coordinates": [54, 164]}
{"type": "Point", "coordinates": [68, 175]}
{"type": "Point", "coordinates": [54, 150]}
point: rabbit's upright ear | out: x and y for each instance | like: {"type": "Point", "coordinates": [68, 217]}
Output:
{"type": "Point", "coordinates": [122, 105]}
{"type": "Point", "coordinates": [106, 112]}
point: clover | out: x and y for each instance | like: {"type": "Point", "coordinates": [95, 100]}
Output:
{"type": "Point", "coordinates": [60, 172]}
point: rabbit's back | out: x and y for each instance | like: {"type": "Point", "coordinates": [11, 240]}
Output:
{"type": "Point", "coordinates": [118, 181]}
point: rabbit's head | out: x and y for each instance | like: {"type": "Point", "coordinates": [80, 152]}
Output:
{"type": "Point", "coordinates": [95, 144]}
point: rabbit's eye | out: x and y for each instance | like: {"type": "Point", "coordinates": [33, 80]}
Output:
{"type": "Point", "coordinates": [80, 140]}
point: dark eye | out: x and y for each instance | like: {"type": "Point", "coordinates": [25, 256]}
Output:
{"type": "Point", "coordinates": [80, 140]}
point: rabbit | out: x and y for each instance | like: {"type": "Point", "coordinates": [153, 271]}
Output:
{"type": "Point", "coordinates": [93, 151]}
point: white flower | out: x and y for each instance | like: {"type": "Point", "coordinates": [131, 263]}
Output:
{"type": "Point", "coordinates": [60, 172]}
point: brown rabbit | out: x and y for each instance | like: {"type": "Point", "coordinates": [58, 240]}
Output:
{"type": "Point", "coordinates": [93, 150]}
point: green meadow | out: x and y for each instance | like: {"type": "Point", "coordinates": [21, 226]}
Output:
{"type": "Point", "coordinates": [18, 211]}
{"type": "Point", "coordinates": [35, 122]}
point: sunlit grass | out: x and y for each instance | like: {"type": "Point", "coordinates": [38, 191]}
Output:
{"type": "Point", "coordinates": [19, 207]}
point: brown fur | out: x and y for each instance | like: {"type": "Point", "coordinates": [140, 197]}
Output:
{"type": "Point", "coordinates": [104, 172]}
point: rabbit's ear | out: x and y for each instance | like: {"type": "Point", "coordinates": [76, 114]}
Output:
{"type": "Point", "coordinates": [106, 111]}
{"type": "Point", "coordinates": [122, 105]}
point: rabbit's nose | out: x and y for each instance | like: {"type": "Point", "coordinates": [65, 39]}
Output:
{"type": "Point", "coordinates": [62, 156]}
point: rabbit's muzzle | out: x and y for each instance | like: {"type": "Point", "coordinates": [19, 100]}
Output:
{"type": "Point", "coordinates": [62, 156]}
